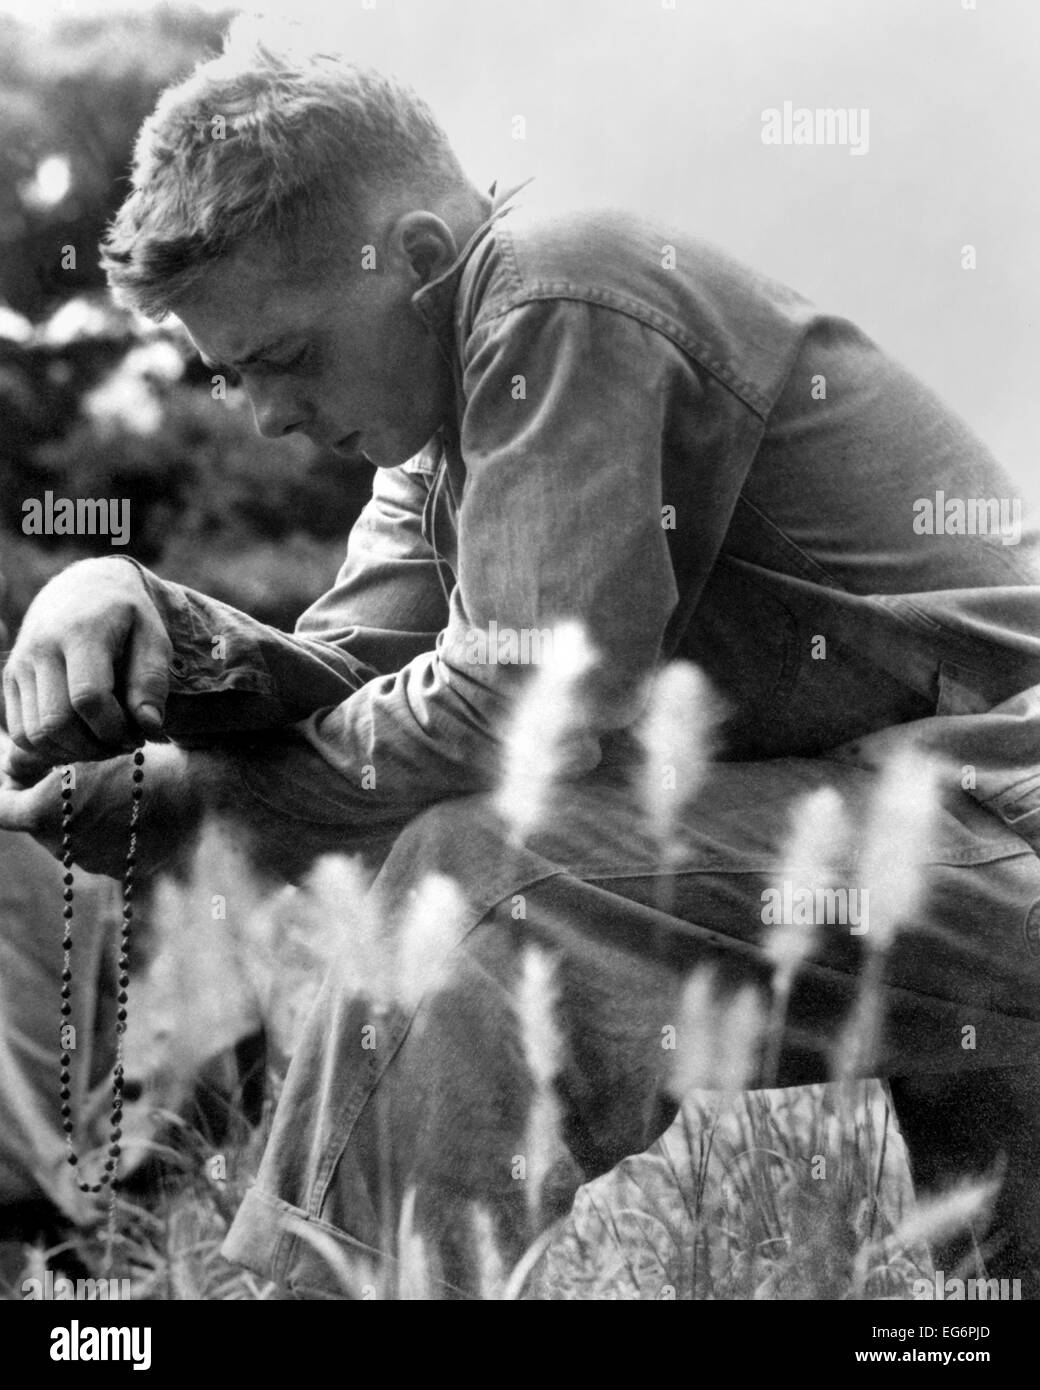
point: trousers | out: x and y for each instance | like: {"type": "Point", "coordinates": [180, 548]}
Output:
{"type": "Point", "coordinates": [431, 1092]}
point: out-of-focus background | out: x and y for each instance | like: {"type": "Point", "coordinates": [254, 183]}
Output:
{"type": "Point", "coordinates": [655, 104]}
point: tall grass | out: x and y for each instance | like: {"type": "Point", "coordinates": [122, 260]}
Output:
{"type": "Point", "coordinates": [769, 1194]}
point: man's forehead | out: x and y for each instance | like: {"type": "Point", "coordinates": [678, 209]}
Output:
{"type": "Point", "coordinates": [243, 308]}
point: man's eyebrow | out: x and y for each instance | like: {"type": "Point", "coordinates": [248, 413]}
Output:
{"type": "Point", "coordinates": [254, 356]}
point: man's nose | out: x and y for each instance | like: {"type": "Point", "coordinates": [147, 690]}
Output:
{"type": "Point", "coordinates": [277, 410]}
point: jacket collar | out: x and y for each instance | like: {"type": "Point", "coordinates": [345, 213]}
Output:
{"type": "Point", "coordinates": [435, 301]}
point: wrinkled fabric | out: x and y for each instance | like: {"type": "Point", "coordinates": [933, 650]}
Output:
{"type": "Point", "coordinates": [693, 461]}
{"type": "Point", "coordinates": [436, 1094]}
{"type": "Point", "coordinates": [599, 385]}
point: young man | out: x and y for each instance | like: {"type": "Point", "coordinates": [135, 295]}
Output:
{"type": "Point", "coordinates": [585, 418]}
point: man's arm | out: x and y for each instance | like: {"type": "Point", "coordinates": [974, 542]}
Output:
{"type": "Point", "coordinates": [232, 674]}
{"type": "Point", "coordinates": [560, 519]}
{"type": "Point", "coordinates": [108, 639]}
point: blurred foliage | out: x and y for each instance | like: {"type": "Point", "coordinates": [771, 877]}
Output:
{"type": "Point", "coordinates": [96, 404]}
{"type": "Point", "coordinates": [78, 92]}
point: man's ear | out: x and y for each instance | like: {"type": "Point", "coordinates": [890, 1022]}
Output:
{"type": "Point", "coordinates": [425, 242]}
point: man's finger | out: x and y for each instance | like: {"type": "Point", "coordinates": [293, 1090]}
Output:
{"type": "Point", "coordinates": [30, 724]}
{"type": "Point", "coordinates": [23, 769]}
{"type": "Point", "coordinates": [51, 729]}
{"type": "Point", "coordinates": [14, 814]}
{"type": "Point", "coordinates": [13, 706]}
{"type": "Point", "coordinates": [148, 675]}
{"type": "Point", "coordinates": [58, 729]}
{"type": "Point", "coordinates": [89, 681]}
{"type": "Point", "coordinates": [34, 810]}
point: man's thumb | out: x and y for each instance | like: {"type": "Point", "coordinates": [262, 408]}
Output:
{"type": "Point", "coordinates": [148, 680]}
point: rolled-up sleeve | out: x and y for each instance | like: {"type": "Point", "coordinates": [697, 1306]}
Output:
{"type": "Point", "coordinates": [560, 519]}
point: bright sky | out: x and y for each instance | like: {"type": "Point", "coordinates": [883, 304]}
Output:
{"type": "Point", "coordinates": [658, 105]}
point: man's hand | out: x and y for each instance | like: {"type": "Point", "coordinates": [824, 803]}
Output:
{"type": "Point", "coordinates": [174, 796]}
{"type": "Point", "coordinates": [89, 671]}
{"type": "Point", "coordinates": [30, 794]}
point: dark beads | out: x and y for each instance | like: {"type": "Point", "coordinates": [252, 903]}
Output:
{"type": "Point", "coordinates": [111, 1163]}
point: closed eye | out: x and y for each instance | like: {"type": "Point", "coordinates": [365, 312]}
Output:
{"type": "Point", "coordinates": [286, 364]}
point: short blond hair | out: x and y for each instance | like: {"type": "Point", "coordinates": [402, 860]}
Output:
{"type": "Point", "coordinates": [260, 142]}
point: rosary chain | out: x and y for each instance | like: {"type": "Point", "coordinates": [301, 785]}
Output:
{"type": "Point", "coordinates": [110, 1168]}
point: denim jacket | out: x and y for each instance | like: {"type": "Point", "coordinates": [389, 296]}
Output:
{"type": "Point", "coordinates": [693, 461]}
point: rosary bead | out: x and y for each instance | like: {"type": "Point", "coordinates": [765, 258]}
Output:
{"type": "Point", "coordinates": [111, 1163]}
